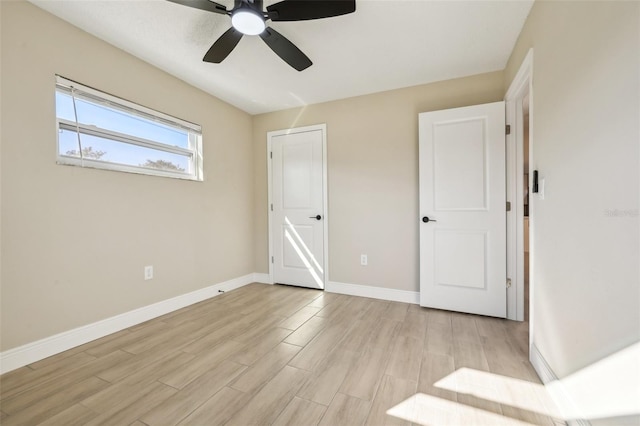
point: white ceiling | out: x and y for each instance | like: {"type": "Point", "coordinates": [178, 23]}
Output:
{"type": "Point", "coordinates": [384, 45]}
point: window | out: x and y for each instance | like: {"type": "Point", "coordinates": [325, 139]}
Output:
{"type": "Point", "coordinates": [102, 131]}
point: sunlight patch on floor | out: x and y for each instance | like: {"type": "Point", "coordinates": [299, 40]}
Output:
{"type": "Point", "coordinates": [504, 390]}
{"type": "Point", "coordinates": [429, 410]}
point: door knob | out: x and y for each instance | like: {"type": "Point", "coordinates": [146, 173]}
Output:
{"type": "Point", "coordinates": [426, 219]}
{"type": "Point", "coordinates": [317, 217]}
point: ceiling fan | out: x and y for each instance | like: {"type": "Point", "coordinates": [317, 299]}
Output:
{"type": "Point", "coordinates": [248, 17]}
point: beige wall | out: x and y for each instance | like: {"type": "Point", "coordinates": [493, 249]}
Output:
{"type": "Point", "coordinates": [75, 241]}
{"type": "Point", "coordinates": [372, 144]}
{"type": "Point", "coordinates": [586, 115]}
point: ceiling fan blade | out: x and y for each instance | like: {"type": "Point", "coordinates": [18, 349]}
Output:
{"type": "Point", "coordinates": [285, 49]}
{"type": "Point", "coordinates": [302, 10]}
{"type": "Point", "coordinates": [223, 46]}
{"type": "Point", "coordinates": [207, 5]}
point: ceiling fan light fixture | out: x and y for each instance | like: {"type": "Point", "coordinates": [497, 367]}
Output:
{"type": "Point", "coordinates": [249, 18]}
{"type": "Point", "coordinates": [248, 22]}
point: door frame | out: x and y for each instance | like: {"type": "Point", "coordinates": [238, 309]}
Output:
{"type": "Point", "coordinates": [325, 231]}
{"type": "Point", "coordinates": [521, 86]}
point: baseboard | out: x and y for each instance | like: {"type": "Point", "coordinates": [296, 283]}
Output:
{"type": "Point", "coordinates": [35, 351]}
{"type": "Point", "coordinates": [541, 366]}
{"type": "Point", "coordinates": [555, 388]}
{"type": "Point", "coordinates": [262, 278]}
{"type": "Point", "coordinates": [374, 292]}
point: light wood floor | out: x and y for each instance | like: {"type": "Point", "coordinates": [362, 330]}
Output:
{"type": "Point", "coordinates": [283, 355]}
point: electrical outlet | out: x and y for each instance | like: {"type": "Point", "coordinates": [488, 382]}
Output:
{"type": "Point", "coordinates": [363, 260]}
{"type": "Point", "coordinates": [148, 272]}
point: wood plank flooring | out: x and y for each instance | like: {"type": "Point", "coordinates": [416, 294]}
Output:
{"type": "Point", "coordinates": [282, 355]}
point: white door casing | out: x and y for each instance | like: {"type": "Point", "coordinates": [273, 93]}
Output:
{"type": "Point", "coordinates": [297, 206]}
{"type": "Point", "coordinates": [520, 87]}
{"type": "Point", "coordinates": [462, 192]}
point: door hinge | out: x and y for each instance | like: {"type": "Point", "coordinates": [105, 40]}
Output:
{"type": "Point", "coordinates": [508, 282]}
{"type": "Point", "coordinates": [508, 206]}
{"type": "Point", "coordinates": [271, 155]}
{"type": "Point", "coordinates": [271, 259]}
{"type": "Point", "coordinates": [508, 129]}
{"type": "Point", "coordinates": [271, 207]}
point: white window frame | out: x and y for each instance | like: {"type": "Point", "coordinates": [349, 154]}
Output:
{"type": "Point", "coordinates": [79, 91]}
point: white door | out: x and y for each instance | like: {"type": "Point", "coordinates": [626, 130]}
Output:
{"type": "Point", "coordinates": [297, 203]}
{"type": "Point", "coordinates": [463, 209]}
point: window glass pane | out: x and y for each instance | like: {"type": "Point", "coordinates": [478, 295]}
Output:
{"type": "Point", "coordinates": [107, 150]}
{"type": "Point", "coordinates": [108, 118]}
{"type": "Point", "coordinates": [116, 134]}
{"type": "Point", "coordinates": [67, 142]}
{"type": "Point", "coordinates": [64, 107]}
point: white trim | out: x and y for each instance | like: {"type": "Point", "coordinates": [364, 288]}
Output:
{"type": "Point", "coordinates": [522, 77]}
{"type": "Point", "coordinates": [555, 388]}
{"type": "Point", "coordinates": [519, 88]}
{"type": "Point", "coordinates": [40, 349]}
{"type": "Point", "coordinates": [325, 193]}
{"type": "Point", "coordinates": [541, 366]}
{"type": "Point", "coordinates": [269, 212]}
{"type": "Point", "coordinates": [383, 293]}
